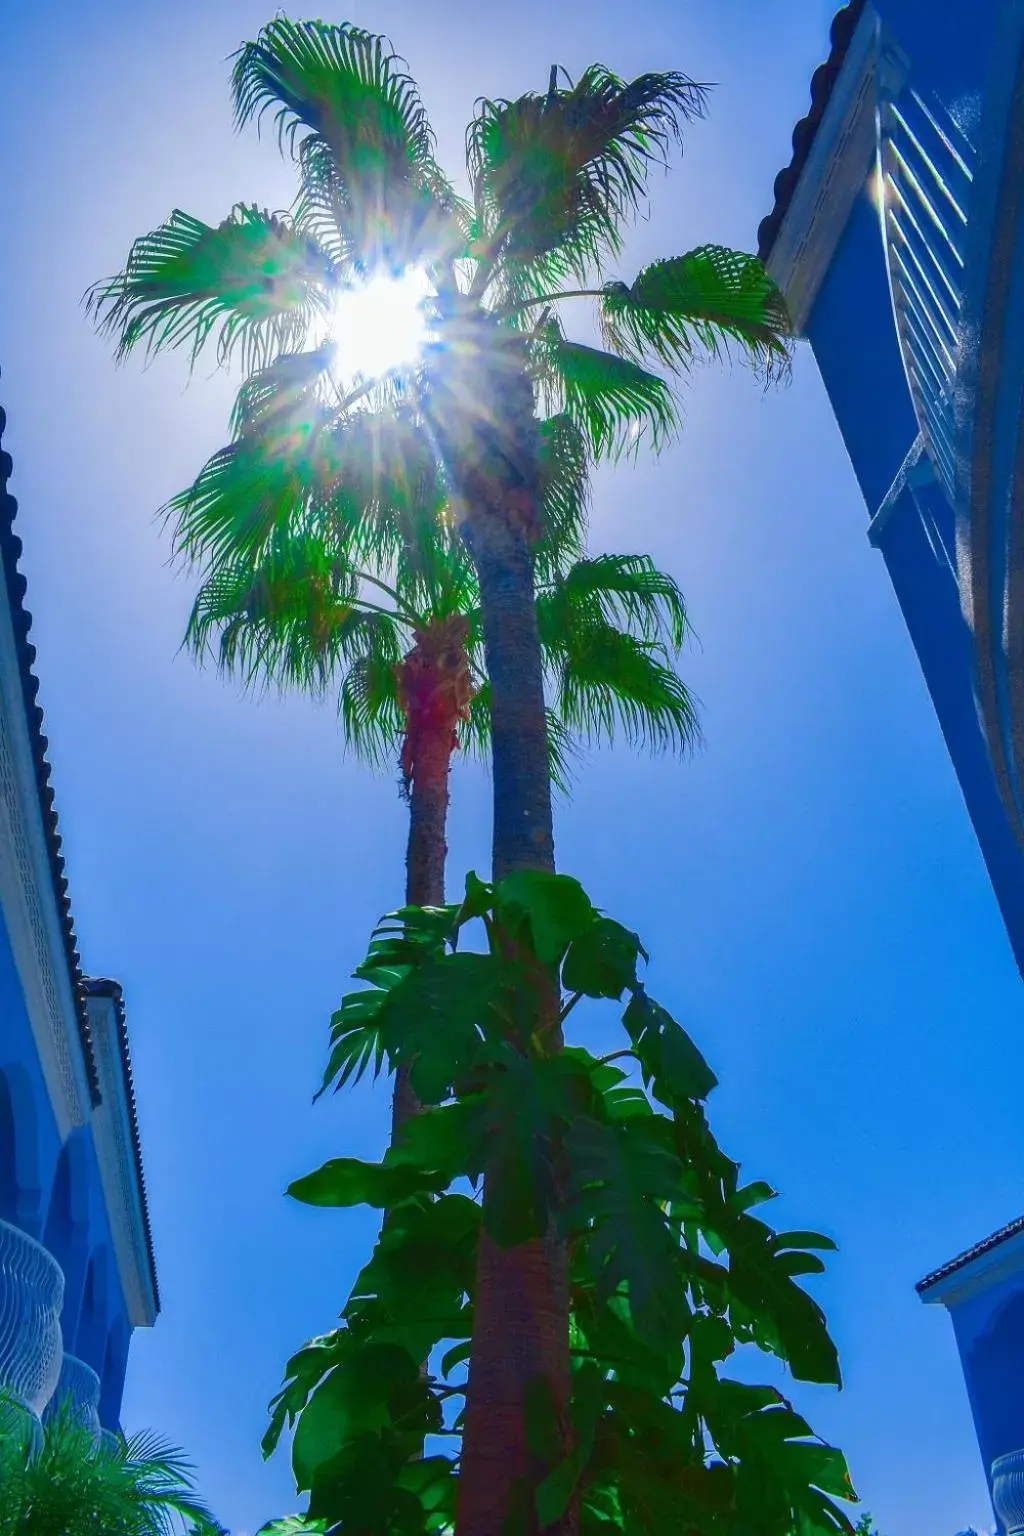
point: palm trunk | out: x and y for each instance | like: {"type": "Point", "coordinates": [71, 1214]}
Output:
{"type": "Point", "coordinates": [434, 690]}
{"type": "Point", "coordinates": [521, 1326]}
{"type": "Point", "coordinates": [425, 856]}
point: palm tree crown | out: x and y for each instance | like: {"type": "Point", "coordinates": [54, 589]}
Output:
{"type": "Point", "coordinates": [555, 179]}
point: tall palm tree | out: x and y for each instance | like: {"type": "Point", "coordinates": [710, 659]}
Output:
{"type": "Point", "coordinates": [55, 1481]}
{"type": "Point", "coordinates": [303, 617]}
{"type": "Point", "coordinates": [555, 179]}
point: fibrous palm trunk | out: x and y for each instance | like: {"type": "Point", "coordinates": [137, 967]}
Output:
{"type": "Point", "coordinates": [434, 691]}
{"type": "Point", "coordinates": [521, 1299]}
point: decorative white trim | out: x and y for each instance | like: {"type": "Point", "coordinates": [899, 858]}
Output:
{"type": "Point", "coordinates": [28, 906]}
{"type": "Point", "coordinates": [833, 176]}
{"type": "Point", "coordinates": [115, 1154]}
{"type": "Point", "coordinates": [978, 1274]}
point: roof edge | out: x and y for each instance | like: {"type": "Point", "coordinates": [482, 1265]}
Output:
{"type": "Point", "coordinates": [844, 24]}
{"type": "Point", "coordinates": [21, 623]}
{"type": "Point", "coordinates": [962, 1260]}
{"type": "Point", "coordinates": [104, 986]}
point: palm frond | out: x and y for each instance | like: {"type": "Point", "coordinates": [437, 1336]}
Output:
{"type": "Point", "coordinates": [288, 619]}
{"type": "Point", "coordinates": [292, 384]}
{"type": "Point", "coordinates": [371, 716]}
{"type": "Point", "coordinates": [62, 1481]}
{"type": "Point", "coordinates": [261, 484]}
{"type": "Point", "coordinates": [624, 590]}
{"type": "Point", "coordinates": [255, 282]}
{"type": "Point", "coordinates": [366, 480]}
{"type": "Point", "coordinates": [564, 460]}
{"type": "Point", "coordinates": [702, 303]}
{"type": "Point", "coordinates": [347, 110]}
{"type": "Point", "coordinates": [556, 175]}
{"type": "Point", "coordinates": [612, 400]}
{"type": "Point", "coordinates": [607, 679]}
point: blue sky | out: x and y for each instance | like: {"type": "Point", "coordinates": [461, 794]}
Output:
{"type": "Point", "coordinates": [809, 886]}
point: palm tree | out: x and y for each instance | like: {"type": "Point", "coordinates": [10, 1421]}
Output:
{"type": "Point", "coordinates": [555, 179]}
{"type": "Point", "coordinates": [57, 1481]}
{"type": "Point", "coordinates": [303, 617]}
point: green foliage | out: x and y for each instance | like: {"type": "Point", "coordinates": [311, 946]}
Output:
{"type": "Point", "coordinates": [670, 1269]}
{"type": "Point", "coordinates": [57, 1482]}
{"type": "Point", "coordinates": [700, 302]}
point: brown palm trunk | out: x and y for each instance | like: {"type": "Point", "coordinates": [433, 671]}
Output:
{"type": "Point", "coordinates": [521, 1323]}
{"type": "Point", "coordinates": [434, 691]}
{"type": "Point", "coordinates": [483, 418]}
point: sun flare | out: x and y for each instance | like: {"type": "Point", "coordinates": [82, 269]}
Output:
{"type": "Point", "coordinates": [380, 325]}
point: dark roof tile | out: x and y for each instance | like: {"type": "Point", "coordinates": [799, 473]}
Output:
{"type": "Point", "coordinates": [963, 1259]}
{"type": "Point", "coordinates": [844, 24]}
{"type": "Point", "coordinates": [10, 554]}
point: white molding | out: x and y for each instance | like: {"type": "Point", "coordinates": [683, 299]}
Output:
{"type": "Point", "coordinates": [115, 1153]}
{"type": "Point", "coordinates": [834, 174]}
{"type": "Point", "coordinates": [978, 1274]}
{"type": "Point", "coordinates": [28, 903]}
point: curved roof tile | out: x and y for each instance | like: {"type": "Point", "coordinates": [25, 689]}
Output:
{"type": "Point", "coordinates": [962, 1259]}
{"type": "Point", "coordinates": [21, 619]}
{"type": "Point", "coordinates": [844, 24]}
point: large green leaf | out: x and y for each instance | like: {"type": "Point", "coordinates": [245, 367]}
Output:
{"type": "Point", "coordinates": [620, 1175]}
{"type": "Point", "coordinates": [438, 1017]}
{"type": "Point", "coordinates": [556, 907]}
{"type": "Point", "coordinates": [348, 1181]}
{"type": "Point", "coordinates": [783, 1318]}
{"type": "Point", "coordinates": [520, 1118]}
{"type": "Point", "coordinates": [350, 113]}
{"type": "Point", "coordinates": [371, 1384]}
{"type": "Point", "coordinates": [668, 1057]}
{"type": "Point", "coordinates": [304, 1371]}
{"type": "Point", "coordinates": [781, 1470]}
{"type": "Point", "coordinates": [601, 961]}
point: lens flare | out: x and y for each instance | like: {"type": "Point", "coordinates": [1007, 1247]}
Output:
{"type": "Point", "coordinates": [380, 325]}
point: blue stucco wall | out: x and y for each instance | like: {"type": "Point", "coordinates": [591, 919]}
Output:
{"type": "Point", "coordinates": [52, 1190]}
{"type": "Point", "coordinates": [853, 335]}
{"type": "Point", "coordinates": [989, 1328]}
{"type": "Point", "coordinates": [854, 341]}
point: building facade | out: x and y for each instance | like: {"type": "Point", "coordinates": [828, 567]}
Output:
{"type": "Point", "coordinates": [77, 1274]}
{"type": "Point", "coordinates": [897, 237]}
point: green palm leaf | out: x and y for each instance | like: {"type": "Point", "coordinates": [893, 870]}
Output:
{"type": "Point", "coordinates": [66, 1483]}
{"type": "Point", "coordinates": [254, 281]}
{"type": "Point", "coordinates": [353, 118]}
{"type": "Point", "coordinates": [564, 461]}
{"type": "Point", "coordinates": [695, 304]}
{"type": "Point", "coordinates": [606, 680]}
{"type": "Point", "coordinates": [624, 590]}
{"type": "Point", "coordinates": [556, 175]}
{"type": "Point", "coordinates": [612, 400]}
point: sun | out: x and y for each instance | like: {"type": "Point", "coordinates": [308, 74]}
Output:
{"type": "Point", "coordinates": [381, 324]}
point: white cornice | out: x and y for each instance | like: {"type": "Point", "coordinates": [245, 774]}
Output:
{"type": "Point", "coordinates": [833, 175]}
{"type": "Point", "coordinates": [112, 1137]}
{"type": "Point", "coordinates": [28, 904]}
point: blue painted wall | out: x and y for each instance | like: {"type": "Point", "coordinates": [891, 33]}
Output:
{"type": "Point", "coordinates": [53, 1191]}
{"type": "Point", "coordinates": [853, 335]}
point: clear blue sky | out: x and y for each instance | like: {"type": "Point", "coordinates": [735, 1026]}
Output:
{"type": "Point", "coordinates": [809, 887]}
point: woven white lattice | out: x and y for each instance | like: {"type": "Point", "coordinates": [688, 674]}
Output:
{"type": "Point", "coordinates": [80, 1385]}
{"type": "Point", "coordinates": [31, 1293]}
